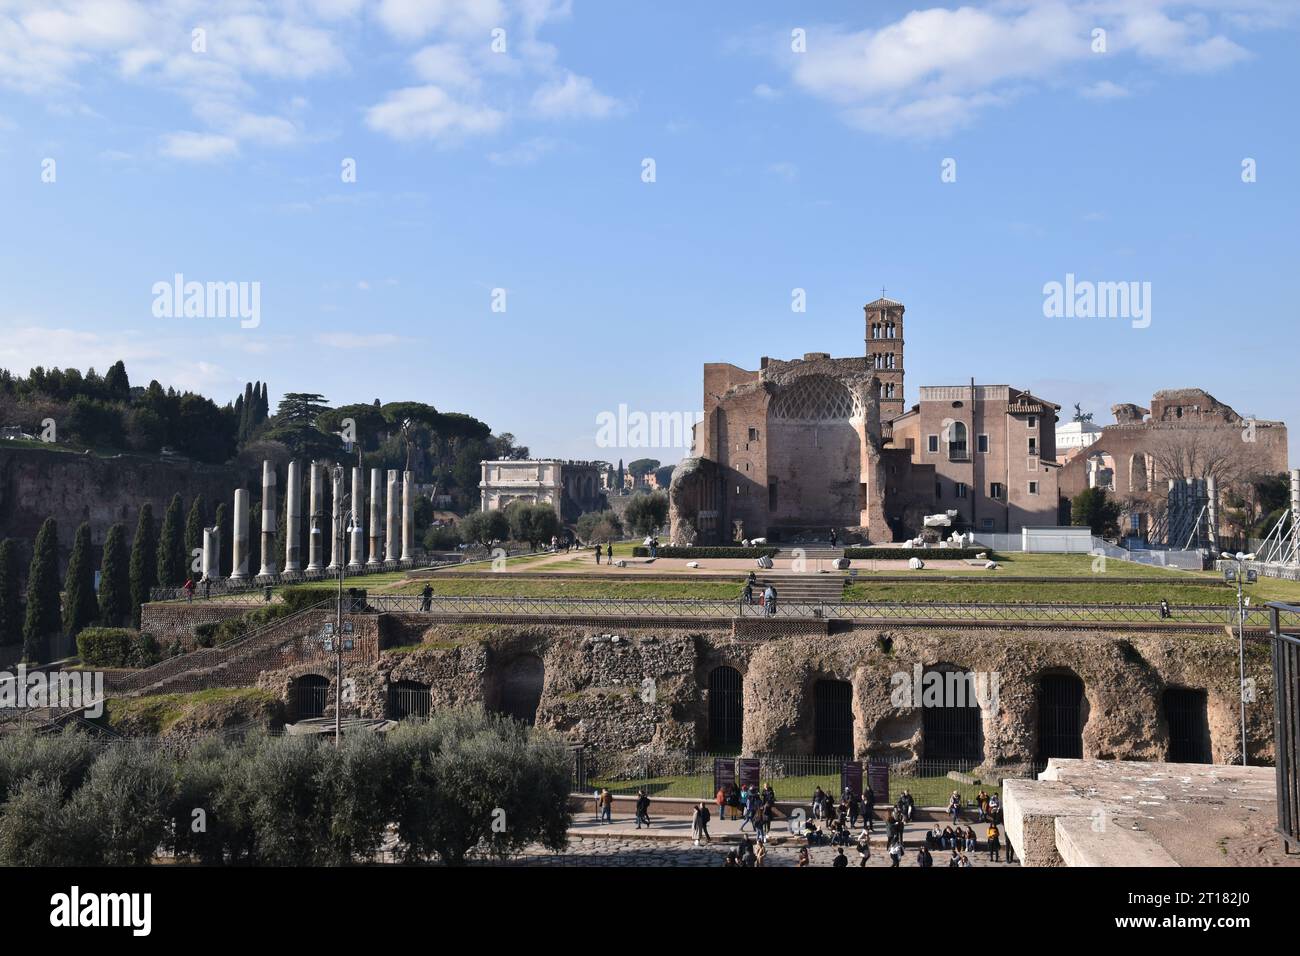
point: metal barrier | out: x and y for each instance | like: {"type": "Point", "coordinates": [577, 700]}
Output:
{"type": "Point", "coordinates": [1286, 724]}
{"type": "Point", "coordinates": [995, 613]}
{"type": "Point", "coordinates": [794, 777]}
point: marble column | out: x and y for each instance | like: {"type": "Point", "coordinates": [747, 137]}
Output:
{"type": "Point", "coordinates": [408, 517]}
{"type": "Point", "coordinates": [293, 518]}
{"type": "Point", "coordinates": [336, 515]}
{"type": "Point", "coordinates": [376, 477]}
{"type": "Point", "coordinates": [211, 553]}
{"type": "Point", "coordinates": [358, 508]}
{"type": "Point", "coordinates": [239, 537]}
{"type": "Point", "coordinates": [268, 521]}
{"type": "Point", "coordinates": [315, 531]}
{"type": "Point", "coordinates": [391, 543]}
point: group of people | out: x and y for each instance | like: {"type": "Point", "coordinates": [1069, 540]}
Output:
{"type": "Point", "coordinates": [834, 824]}
{"type": "Point", "coordinates": [766, 598]}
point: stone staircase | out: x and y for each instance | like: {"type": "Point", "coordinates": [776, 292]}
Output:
{"type": "Point", "coordinates": [235, 663]}
{"type": "Point", "coordinates": [807, 588]}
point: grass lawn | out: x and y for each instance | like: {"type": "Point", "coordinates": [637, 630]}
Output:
{"type": "Point", "coordinates": [489, 586]}
{"type": "Point", "coordinates": [1082, 592]}
{"type": "Point", "coordinates": [161, 711]}
{"type": "Point", "coordinates": [929, 791]}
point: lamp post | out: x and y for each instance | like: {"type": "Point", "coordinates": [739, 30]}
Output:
{"type": "Point", "coordinates": [347, 524]}
{"type": "Point", "coordinates": [1239, 572]}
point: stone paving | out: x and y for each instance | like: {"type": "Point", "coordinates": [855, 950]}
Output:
{"type": "Point", "coordinates": [668, 843]}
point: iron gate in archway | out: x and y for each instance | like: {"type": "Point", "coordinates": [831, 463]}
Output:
{"type": "Point", "coordinates": [1060, 716]}
{"type": "Point", "coordinates": [1189, 727]}
{"type": "Point", "coordinates": [833, 718]}
{"type": "Point", "coordinates": [311, 691]}
{"type": "Point", "coordinates": [726, 709]}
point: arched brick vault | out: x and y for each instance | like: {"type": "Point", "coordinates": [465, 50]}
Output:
{"type": "Point", "coordinates": [594, 686]}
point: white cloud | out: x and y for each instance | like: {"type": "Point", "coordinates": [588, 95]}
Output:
{"type": "Point", "coordinates": [351, 340]}
{"type": "Point", "coordinates": [198, 147]}
{"type": "Point", "coordinates": [523, 154]}
{"type": "Point", "coordinates": [414, 19]}
{"type": "Point", "coordinates": [573, 97]}
{"type": "Point", "coordinates": [444, 64]}
{"type": "Point", "coordinates": [1104, 90]}
{"type": "Point", "coordinates": [937, 70]}
{"type": "Point", "coordinates": [765, 92]}
{"type": "Point", "coordinates": [786, 170]}
{"type": "Point", "coordinates": [429, 112]}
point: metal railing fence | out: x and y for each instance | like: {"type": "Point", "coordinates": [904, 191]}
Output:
{"type": "Point", "coordinates": [956, 612]}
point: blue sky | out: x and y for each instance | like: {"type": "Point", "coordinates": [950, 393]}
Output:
{"type": "Point", "coordinates": [775, 170]}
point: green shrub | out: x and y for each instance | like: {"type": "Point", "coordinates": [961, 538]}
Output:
{"type": "Point", "coordinates": [105, 646]}
{"type": "Point", "coordinates": [925, 554]}
{"type": "Point", "coordinates": [117, 647]}
{"type": "Point", "coordinates": [705, 551]}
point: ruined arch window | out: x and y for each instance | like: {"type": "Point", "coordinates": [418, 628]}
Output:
{"type": "Point", "coordinates": [1138, 477]}
{"type": "Point", "coordinates": [520, 688]}
{"type": "Point", "coordinates": [1060, 716]}
{"type": "Point", "coordinates": [815, 398]}
{"type": "Point", "coordinates": [1189, 725]}
{"type": "Point", "coordinates": [833, 718]}
{"type": "Point", "coordinates": [726, 709]}
{"type": "Point", "coordinates": [311, 691]}
{"type": "Point", "coordinates": [951, 720]}
{"type": "Point", "coordinates": [408, 698]}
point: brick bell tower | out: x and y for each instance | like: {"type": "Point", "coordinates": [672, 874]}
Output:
{"type": "Point", "coordinates": [885, 353]}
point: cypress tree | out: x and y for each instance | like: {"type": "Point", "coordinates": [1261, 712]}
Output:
{"type": "Point", "coordinates": [114, 580]}
{"type": "Point", "coordinates": [144, 561]}
{"type": "Point", "coordinates": [79, 605]}
{"type": "Point", "coordinates": [11, 608]}
{"type": "Point", "coordinates": [43, 619]}
{"type": "Point", "coordinates": [194, 536]}
{"type": "Point", "coordinates": [171, 546]}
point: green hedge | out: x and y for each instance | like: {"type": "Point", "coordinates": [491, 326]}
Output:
{"type": "Point", "coordinates": [925, 554]}
{"type": "Point", "coordinates": [117, 647]}
{"type": "Point", "coordinates": [641, 551]}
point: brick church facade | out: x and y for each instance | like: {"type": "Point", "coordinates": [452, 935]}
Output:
{"type": "Point", "coordinates": [798, 447]}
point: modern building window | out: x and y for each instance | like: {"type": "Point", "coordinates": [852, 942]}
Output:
{"type": "Point", "coordinates": [1033, 487]}
{"type": "Point", "coordinates": [982, 443]}
{"type": "Point", "coordinates": [1033, 421]}
{"type": "Point", "coordinates": [996, 491]}
{"type": "Point", "coordinates": [957, 441]}
{"type": "Point", "coordinates": [987, 524]}
{"type": "Point", "coordinates": [753, 434]}
{"type": "Point", "coordinates": [1033, 446]}
{"type": "Point", "coordinates": [961, 489]}
{"type": "Point", "coordinates": [932, 443]}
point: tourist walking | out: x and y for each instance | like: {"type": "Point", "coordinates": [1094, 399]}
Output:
{"type": "Point", "coordinates": [995, 843]}
{"type": "Point", "coordinates": [598, 553]}
{"type": "Point", "coordinates": [609, 554]}
{"type": "Point", "coordinates": [769, 600]}
{"type": "Point", "coordinates": [189, 589]}
{"type": "Point", "coordinates": [700, 823]}
{"type": "Point", "coordinates": [606, 806]}
{"type": "Point", "coordinates": [426, 598]}
{"type": "Point", "coordinates": [642, 809]}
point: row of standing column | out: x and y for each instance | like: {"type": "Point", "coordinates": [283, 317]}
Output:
{"type": "Point", "coordinates": [393, 548]}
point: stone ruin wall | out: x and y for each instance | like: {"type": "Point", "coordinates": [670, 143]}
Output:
{"type": "Point", "coordinates": [594, 689]}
